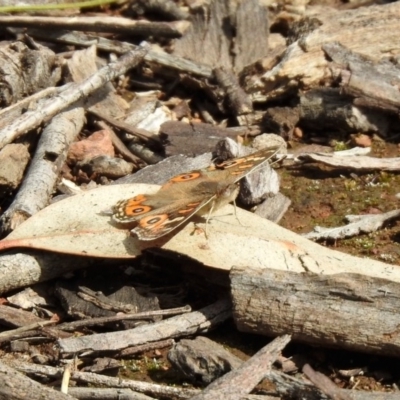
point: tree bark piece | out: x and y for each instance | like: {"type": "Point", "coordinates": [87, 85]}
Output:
{"type": "Point", "coordinates": [221, 26]}
{"type": "Point", "coordinates": [241, 381]}
{"type": "Point", "coordinates": [345, 310]}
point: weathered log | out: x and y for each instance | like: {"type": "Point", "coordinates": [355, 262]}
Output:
{"type": "Point", "coordinates": [347, 310]}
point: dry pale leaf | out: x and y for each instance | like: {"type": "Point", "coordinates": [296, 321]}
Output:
{"type": "Point", "coordinates": [76, 226]}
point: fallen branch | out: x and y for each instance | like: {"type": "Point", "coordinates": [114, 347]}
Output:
{"type": "Point", "coordinates": [183, 325]}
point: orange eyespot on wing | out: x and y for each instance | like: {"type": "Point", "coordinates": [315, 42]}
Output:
{"type": "Point", "coordinates": [153, 222]}
{"type": "Point", "coordinates": [154, 226]}
{"type": "Point", "coordinates": [126, 210]}
{"type": "Point", "coordinates": [185, 177]}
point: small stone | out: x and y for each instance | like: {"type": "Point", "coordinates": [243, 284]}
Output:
{"type": "Point", "coordinates": [97, 144]}
{"type": "Point", "coordinates": [361, 140]}
{"type": "Point", "coordinates": [14, 158]}
{"type": "Point", "coordinates": [298, 133]}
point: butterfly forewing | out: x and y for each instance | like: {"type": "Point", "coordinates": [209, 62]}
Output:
{"type": "Point", "coordinates": [185, 194]}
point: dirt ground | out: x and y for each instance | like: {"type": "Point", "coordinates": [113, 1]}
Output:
{"type": "Point", "coordinates": [323, 198]}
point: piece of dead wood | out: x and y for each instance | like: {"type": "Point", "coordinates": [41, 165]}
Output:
{"type": "Point", "coordinates": [23, 269]}
{"type": "Point", "coordinates": [187, 324]}
{"type": "Point", "coordinates": [241, 381]}
{"type": "Point", "coordinates": [281, 120]}
{"type": "Point", "coordinates": [329, 109]}
{"type": "Point", "coordinates": [90, 393]}
{"type": "Point", "coordinates": [350, 311]}
{"type": "Point", "coordinates": [103, 365]}
{"type": "Point", "coordinates": [25, 70]}
{"type": "Point", "coordinates": [131, 351]}
{"type": "Point", "coordinates": [304, 62]}
{"type": "Point", "coordinates": [324, 384]}
{"type": "Point", "coordinates": [101, 23]}
{"type": "Point", "coordinates": [43, 173]}
{"type": "Point", "coordinates": [16, 386]}
{"type": "Point", "coordinates": [158, 391]}
{"type": "Point", "coordinates": [9, 114]}
{"type": "Point", "coordinates": [7, 335]}
{"type": "Point", "coordinates": [286, 385]}
{"type": "Point", "coordinates": [227, 31]}
{"type": "Point", "coordinates": [82, 303]}
{"type": "Point", "coordinates": [15, 317]}
{"type": "Point", "coordinates": [35, 332]}
{"type": "Point", "coordinates": [145, 136]}
{"type": "Point", "coordinates": [295, 388]}
{"type": "Point", "coordinates": [166, 9]}
{"type": "Point", "coordinates": [71, 326]}
{"type": "Point", "coordinates": [155, 57]}
{"type": "Point", "coordinates": [238, 101]}
{"type": "Point", "coordinates": [358, 224]}
{"type": "Point", "coordinates": [354, 163]}
{"type": "Point", "coordinates": [102, 301]}
{"type": "Point", "coordinates": [192, 139]}
{"type": "Point", "coordinates": [72, 93]}
{"type": "Point", "coordinates": [371, 84]}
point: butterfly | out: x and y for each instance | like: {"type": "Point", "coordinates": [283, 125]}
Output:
{"type": "Point", "coordinates": [196, 192]}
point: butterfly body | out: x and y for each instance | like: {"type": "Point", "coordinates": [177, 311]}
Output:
{"type": "Point", "coordinates": [194, 192]}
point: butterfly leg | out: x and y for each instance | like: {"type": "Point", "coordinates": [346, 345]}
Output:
{"type": "Point", "coordinates": [208, 218]}
{"type": "Point", "coordinates": [235, 212]}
